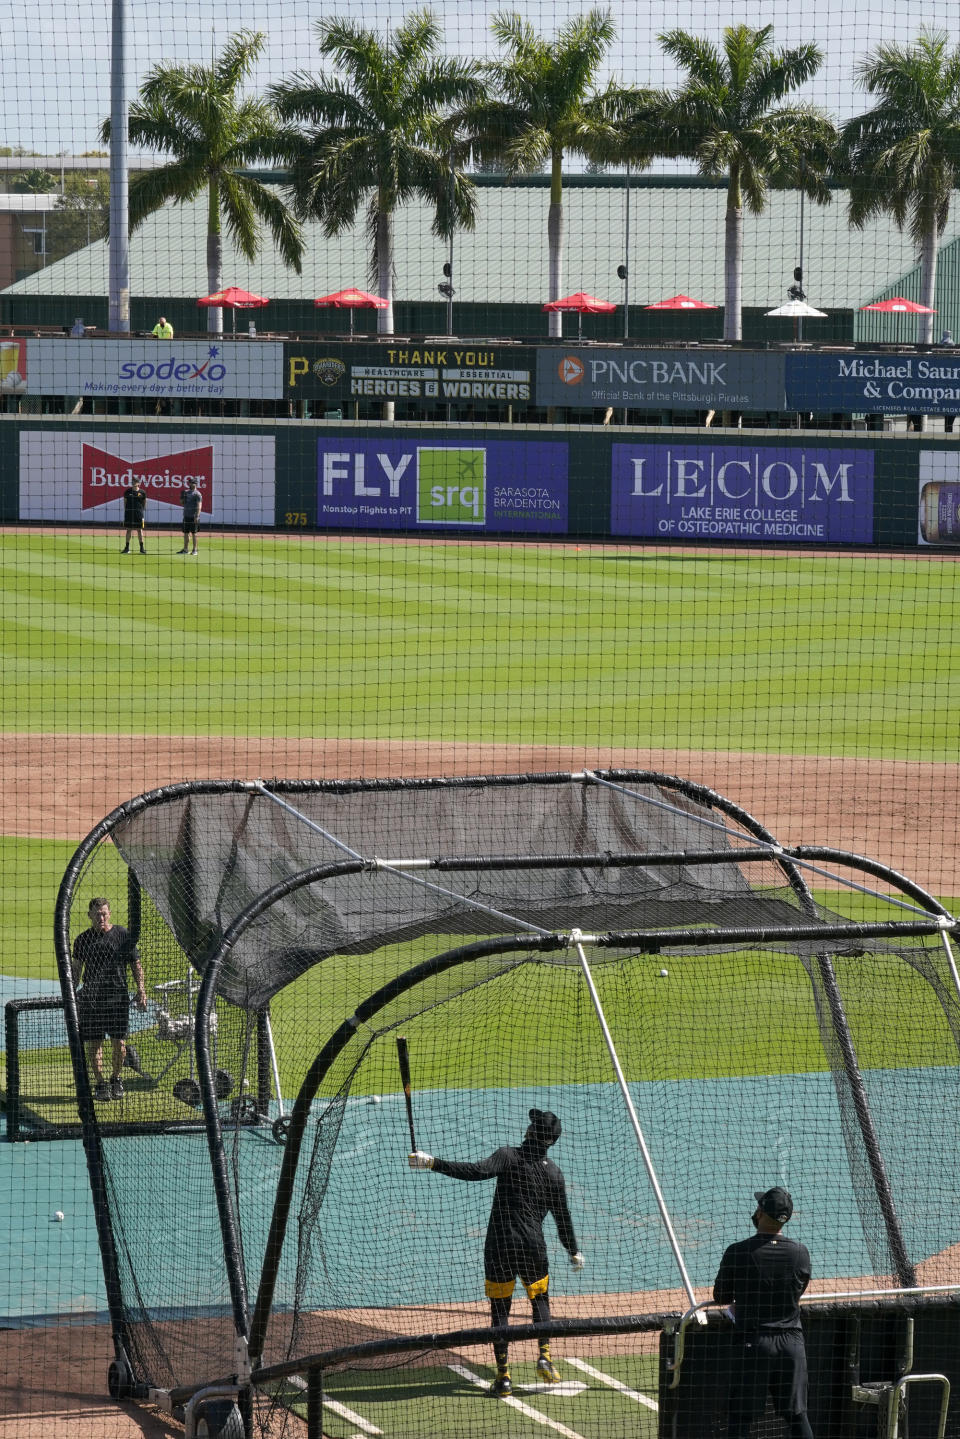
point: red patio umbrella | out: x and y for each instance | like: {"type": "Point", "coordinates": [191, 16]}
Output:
{"type": "Point", "coordinates": [351, 299]}
{"type": "Point", "coordinates": [899, 306]}
{"type": "Point", "coordinates": [233, 299]}
{"type": "Point", "coordinates": [581, 304]}
{"type": "Point", "coordinates": [681, 302]}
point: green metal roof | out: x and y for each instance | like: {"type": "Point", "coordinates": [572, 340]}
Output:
{"type": "Point", "coordinates": [676, 244]}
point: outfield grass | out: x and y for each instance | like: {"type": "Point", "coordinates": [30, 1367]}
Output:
{"type": "Point", "coordinates": [712, 1016]}
{"type": "Point", "coordinates": [31, 873]}
{"type": "Point", "coordinates": [267, 635]}
{"type": "Point", "coordinates": [522, 643]}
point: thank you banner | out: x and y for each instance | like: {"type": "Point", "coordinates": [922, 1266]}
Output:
{"type": "Point", "coordinates": [432, 373]}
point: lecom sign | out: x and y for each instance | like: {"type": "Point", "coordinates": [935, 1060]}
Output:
{"type": "Point", "coordinates": [72, 476]}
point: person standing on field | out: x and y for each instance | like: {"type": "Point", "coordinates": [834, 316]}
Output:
{"type": "Point", "coordinates": [762, 1279]}
{"type": "Point", "coordinates": [134, 511]}
{"type": "Point", "coordinates": [529, 1187]}
{"type": "Point", "coordinates": [192, 501]}
{"type": "Point", "coordinates": [101, 956]}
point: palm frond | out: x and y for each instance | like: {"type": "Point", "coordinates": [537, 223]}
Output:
{"type": "Point", "coordinates": [697, 56]}
{"type": "Point", "coordinates": [150, 190]}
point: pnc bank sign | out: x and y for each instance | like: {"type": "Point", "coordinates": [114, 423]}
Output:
{"type": "Point", "coordinates": [644, 379]}
{"type": "Point", "coordinates": [106, 475]}
{"type": "Point", "coordinates": [622, 370]}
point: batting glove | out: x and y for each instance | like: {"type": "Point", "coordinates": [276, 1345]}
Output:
{"type": "Point", "coordinates": [420, 1160]}
{"type": "Point", "coordinates": [577, 1261]}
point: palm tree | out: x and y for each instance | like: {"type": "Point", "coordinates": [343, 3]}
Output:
{"type": "Point", "coordinates": [380, 135]}
{"type": "Point", "coordinates": [545, 106]}
{"type": "Point", "coordinates": [728, 118]}
{"type": "Point", "coordinates": [903, 156]}
{"type": "Point", "coordinates": [195, 114]}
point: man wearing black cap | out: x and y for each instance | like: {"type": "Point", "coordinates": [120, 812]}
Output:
{"type": "Point", "coordinates": [529, 1186]}
{"type": "Point", "coordinates": [762, 1278]}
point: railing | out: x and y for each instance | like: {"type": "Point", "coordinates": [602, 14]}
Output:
{"type": "Point", "coordinates": [697, 1313]}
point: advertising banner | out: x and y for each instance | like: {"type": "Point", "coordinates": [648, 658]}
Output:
{"type": "Point", "coordinates": [157, 369]}
{"type": "Point", "coordinates": [699, 379]}
{"type": "Point", "coordinates": [740, 492]}
{"type": "Point", "coordinates": [72, 476]}
{"type": "Point", "coordinates": [437, 373]}
{"type": "Point", "coordinates": [874, 384]}
{"type": "Point", "coordinates": [13, 367]}
{"type": "Point", "coordinates": [939, 507]}
{"type": "Point", "coordinates": [508, 486]}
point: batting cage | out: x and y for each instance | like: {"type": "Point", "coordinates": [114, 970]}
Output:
{"type": "Point", "coordinates": [330, 977]}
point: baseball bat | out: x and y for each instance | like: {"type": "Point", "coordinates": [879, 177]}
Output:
{"type": "Point", "coordinates": [404, 1060]}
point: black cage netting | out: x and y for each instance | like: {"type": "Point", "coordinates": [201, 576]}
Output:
{"type": "Point", "coordinates": [764, 1037]}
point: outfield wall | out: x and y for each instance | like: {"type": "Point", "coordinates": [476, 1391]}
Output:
{"type": "Point", "coordinates": [768, 487]}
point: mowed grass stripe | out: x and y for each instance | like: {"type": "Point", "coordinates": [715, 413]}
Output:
{"type": "Point", "coordinates": [513, 644]}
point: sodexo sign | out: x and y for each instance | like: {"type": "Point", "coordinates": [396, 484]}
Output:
{"type": "Point", "coordinates": [156, 369]}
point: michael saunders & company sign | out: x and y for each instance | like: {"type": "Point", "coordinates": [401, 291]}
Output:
{"type": "Point", "coordinates": [875, 384]}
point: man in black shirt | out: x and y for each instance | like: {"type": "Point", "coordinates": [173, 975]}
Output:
{"type": "Point", "coordinates": [134, 509]}
{"type": "Point", "coordinates": [101, 955]}
{"type": "Point", "coordinates": [529, 1187]}
{"type": "Point", "coordinates": [761, 1279]}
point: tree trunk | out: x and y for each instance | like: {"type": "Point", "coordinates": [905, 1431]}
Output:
{"type": "Point", "coordinates": [929, 252]}
{"type": "Point", "coordinates": [385, 283]}
{"type": "Point", "coordinates": [733, 261]}
{"type": "Point", "coordinates": [555, 243]}
{"type": "Point", "coordinates": [214, 259]}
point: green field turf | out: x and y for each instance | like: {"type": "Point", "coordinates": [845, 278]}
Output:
{"type": "Point", "coordinates": [416, 1402]}
{"type": "Point", "coordinates": [459, 642]}
{"type": "Point", "coordinates": [31, 873]}
{"type": "Point", "coordinates": [266, 635]}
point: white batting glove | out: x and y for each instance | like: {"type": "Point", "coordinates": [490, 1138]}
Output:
{"type": "Point", "coordinates": [420, 1160]}
{"type": "Point", "coordinates": [577, 1261]}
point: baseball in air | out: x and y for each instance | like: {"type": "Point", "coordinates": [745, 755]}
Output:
{"type": "Point", "coordinates": [664, 973]}
{"type": "Point", "coordinates": [374, 1099]}
{"type": "Point", "coordinates": [59, 1216]}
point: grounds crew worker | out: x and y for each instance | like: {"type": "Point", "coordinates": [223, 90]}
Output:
{"type": "Point", "coordinates": [162, 330]}
{"type": "Point", "coordinates": [762, 1278]}
{"type": "Point", "coordinates": [529, 1186]}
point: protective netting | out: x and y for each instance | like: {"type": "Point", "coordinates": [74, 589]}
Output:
{"type": "Point", "coordinates": [206, 857]}
{"type": "Point", "coordinates": [702, 520]}
{"type": "Point", "coordinates": [823, 1065]}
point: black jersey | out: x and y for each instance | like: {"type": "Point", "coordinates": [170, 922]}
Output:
{"type": "Point", "coordinates": [100, 963]}
{"type": "Point", "coordinates": [134, 506]}
{"type": "Point", "coordinates": [529, 1187]}
{"type": "Point", "coordinates": [763, 1277]}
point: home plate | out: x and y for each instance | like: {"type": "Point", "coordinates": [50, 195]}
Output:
{"type": "Point", "coordinates": [567, 1388]}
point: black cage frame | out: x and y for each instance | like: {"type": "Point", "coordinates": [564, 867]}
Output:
{"type": "Point", "coordinates": [251, 1320]}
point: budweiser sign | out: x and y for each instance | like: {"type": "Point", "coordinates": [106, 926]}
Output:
{"type": "Point", "coordinates": [106, 476]}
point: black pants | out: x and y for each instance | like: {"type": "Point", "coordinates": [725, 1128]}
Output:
{"type": "Point", "coordinates": [773, 1363]}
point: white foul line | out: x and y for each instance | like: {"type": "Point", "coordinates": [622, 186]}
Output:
{"type": "Point", "coordinates": [515, 1403]}
{"type": "Point", "coordinates": [613, 1383]}
{"type": "Point", "coordinates": [346, 1413]}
